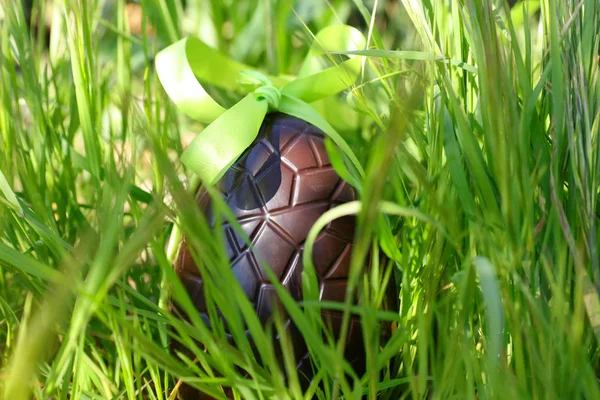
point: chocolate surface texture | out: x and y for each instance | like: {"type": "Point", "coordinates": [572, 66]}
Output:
{"type": "Point", "coordinates": [277, 190]}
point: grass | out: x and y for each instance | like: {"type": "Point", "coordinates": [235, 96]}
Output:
{"type": "Point", "coordinates": [478, 127]}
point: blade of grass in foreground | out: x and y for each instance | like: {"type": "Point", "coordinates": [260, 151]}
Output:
{"type": "Point", "coordinates": [501, 156]}
{"type": "Point", "coordinates": [37, 335]}
{"type": "Point", "coordinates": [11, 198]}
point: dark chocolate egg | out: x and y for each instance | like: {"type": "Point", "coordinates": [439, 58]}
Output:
{"type": "Point", "coordinates": [277, 190]}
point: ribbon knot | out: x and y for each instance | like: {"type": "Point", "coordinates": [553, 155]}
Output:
{"type": "Point", "coordinates": [270, 94]}
{"type": "Point", "coordinates": [182, 67]}
{"type": "Point", "coordinates": [261, 86]}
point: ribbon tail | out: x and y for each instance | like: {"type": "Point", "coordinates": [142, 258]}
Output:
{"type": "Point", "coordinates": [350, 170]}
{"type": "Point", "coordinates": [221, 143]}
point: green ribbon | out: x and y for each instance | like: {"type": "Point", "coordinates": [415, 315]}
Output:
{"type": "Point", "coordinates": [182, 67]}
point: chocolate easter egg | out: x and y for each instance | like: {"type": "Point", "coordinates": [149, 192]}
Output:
{"type": "Point", "coordinates": [277, 190]}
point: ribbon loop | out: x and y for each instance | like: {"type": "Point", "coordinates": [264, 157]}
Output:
{"type": "Point", "coordinates": [186, 65]}
{"type": "Point", "coordinates": [331, 39]}
{"type": "Point", "coordinates": [251, 80]}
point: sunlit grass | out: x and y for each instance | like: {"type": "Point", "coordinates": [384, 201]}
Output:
{"type": "Point", "coordinates": [477, 125]}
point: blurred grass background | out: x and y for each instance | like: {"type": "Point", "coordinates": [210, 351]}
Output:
{"type": "Point", "coordinates": [477, 122]}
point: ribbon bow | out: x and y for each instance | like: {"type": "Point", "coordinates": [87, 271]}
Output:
{"type": "Point", "coordinates": [182, 67]}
